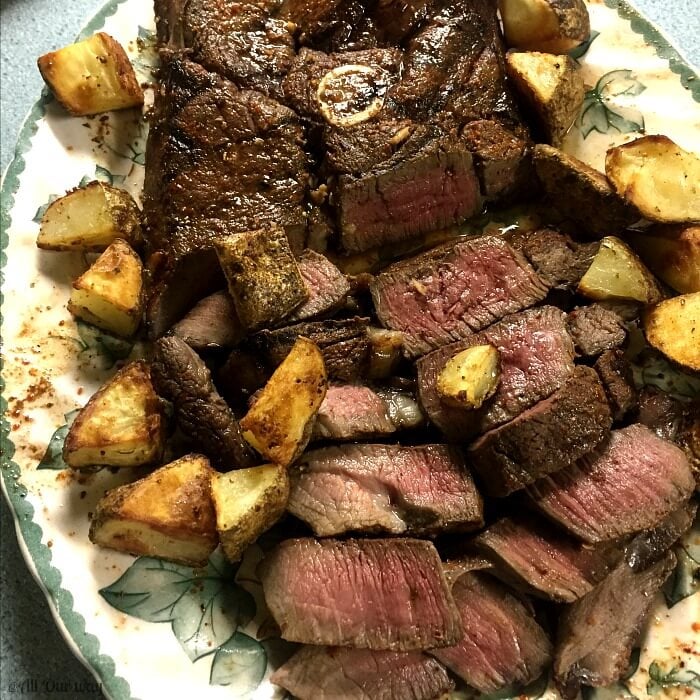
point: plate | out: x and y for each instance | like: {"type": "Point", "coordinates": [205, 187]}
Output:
{"type": "Point", "coordinates": [151, 629]}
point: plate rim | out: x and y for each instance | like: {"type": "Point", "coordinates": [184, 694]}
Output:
{"type": "Point", "coordinates": [71, 624]}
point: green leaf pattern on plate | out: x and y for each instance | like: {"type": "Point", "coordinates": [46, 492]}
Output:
{"type": "Point", "coordinates": [53, 457]}
{"type": "Point", "coordinates": [96, 343]}
{"type": "Point", "coordinates": [241, 661]}
{"type": "Point", "coordinates": [675, 677]}
{"type": "Point", "coordinates": [582, 49]}
{"type": "Point", "coordinates": [685, 580]}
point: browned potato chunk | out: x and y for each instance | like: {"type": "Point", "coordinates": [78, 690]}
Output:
{"type": "Point", "coordinates": [120, 426]}
{"type": "Point", "coordinates": [672, 252]}
{"type": "Point", "coordinates": [555, 26]}
{"type": "Point", "coordinates": [91, 76]}
{"type": "Point", "coordinates": [673, 328]}
{"type": "Point", "coordinates": [108, 294]}
{"type": "Point", "coordinates": [168, 514]}
{"type": "Point", "coordinates": [248, 502]}
{"type": "Point", "coordinates": [616, 273]}
{"type": "Point", "coordinates": [279, 424]}
{"type": "Point", "coordinates": [552, 86]}
{"type": "Point", "coordinates": [658, 177]}
{"type": "Point", "coordinates": [470, 377]}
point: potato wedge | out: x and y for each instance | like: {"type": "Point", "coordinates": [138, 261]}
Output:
{"type": "Point", "coordinates": [248, 502]}
{"type": "Point", "coordinates": [672, 252]}
{"type": "Point", "coordinates": [279, 423]}
{"type": "Point", "coordinates": [90, 218]}
{"type": "Point", "coordinates": [616, 273]}
{"type": "Point", "coordinates": [554, 26]}
{"type": "Point", "coordinates": [658, 177]}
{"type": "Point", "coordinates": [581, 193]}
{"type": "Point", "coordinates": [673, 328]}
{"type": "Point", "coordinates": [120, 426]}
{"type": "Point", "coordinates": [91, 76]}
{"type": "Point", "coordinates": [552, 86]}
{"type": "Point", "coordinates": [168, 514]}
{"type": "Point", "coordinates": [470, 377]}
{"type": "Point", "coordinates": [109, 293]}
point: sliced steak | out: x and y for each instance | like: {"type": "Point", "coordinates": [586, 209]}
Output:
{"type": "Point", "coordinates": [344, 344]}
{"type": "Point", "coordinates": [372, 594]}
{"type": "Point", "coordinates": [407, 196]}
{"type": "Point", "coordinates": [180, 376]}
{"type": "Point", "coordinates": [451, 291]}
{"type": "Point", "coordinates": [596, 634]}
{"type": "Point", "coordinates": [211, 323]}
{"type": "Point", "coordinates": [596, 329]}
{"type": "Point", "coordinates": [502, 644]}
{"type": "Point", "coordinates": [545, 438]}
{"type": "Point", "coordinates": [331, 673]}
{"type": "Point", "coordinates": [537, 356]}
{"type": "Point", "coordinates": [385, 489]}
{"type": "Point", "coordinates": [628, 484]}
{"type": "Point", "coordinates": [616, 374]}
{"type": "Point", "coordinates": [543, 560]}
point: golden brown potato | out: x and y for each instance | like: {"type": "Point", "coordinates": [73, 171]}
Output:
{"type": "Point", "coordinates": [552, 86]}
{"type": "Point", "coordinates": [168, 514]}
{"type": "Point", "coordinates": [248, 502]}
{"type": "Point", "coordinates": [581, 193]}
{"type": "Point", "coordinates": [108, 294]}
{"type": "Point", "coordinates": [616, 273]}
{"type": "Point", "coordinates": [672, 252]}
{"type": "Point", "coordinates": [554, 26]}
{"type": "Point", "coordinates": [673, 328]}
{"type": "Point", "coordinates": [120, 426]}
{"type": "Point", "coordinates": [470, 377]}
{"type": "Point", "coordinates": [658, 177]}
{"type": "Point", "coordinates": [91, 76]}
{"type": "Point", "coordinates": [90, 218]}
{"type": "Point", "coordinates": [279, 424]}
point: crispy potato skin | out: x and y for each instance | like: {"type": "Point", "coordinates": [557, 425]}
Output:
{"type": "Point", "coordinates": [280, 422]}
{"type": "Point", "coordinates": [91, 76]}
{"type": "Point", "coordinates": [673, 328]}
{"type": "Point", "coordinates": [470, 377]}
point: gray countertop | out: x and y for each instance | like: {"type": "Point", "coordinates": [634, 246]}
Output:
{"type": "Point", "coordinates": [31, 648]}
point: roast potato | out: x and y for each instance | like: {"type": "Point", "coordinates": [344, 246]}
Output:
{"type": "Point", "coordinates": [673, 328]}
{"type": "Point", "coordinates": [168, 514]}
{"type": "Point", "coordinates": [658, 177]}
{"type": "Point", "coordinates": [470, 377]}
{"type": "Point", "coordinates": [120, 426]}
{"type": "Point", "coordinates": [555, 26]}
{"type": "Point", "coordinates": [91, 76]}
{"type": "Point", "coordinates": [279, 423]}
{"type": "Point", "coordinates": [247, 503]}
{"type": "Point", "coordinates": [616, 273]}
{"type": "Point", "coordinates": [552, 86]}
{"type": "Point", "coordinates": [108, 294]}
{"type": "Point", "coordinates": [385, 352]}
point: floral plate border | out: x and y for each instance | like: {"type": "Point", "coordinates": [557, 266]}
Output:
{"type": "Point", "coordinates": [86, 646]}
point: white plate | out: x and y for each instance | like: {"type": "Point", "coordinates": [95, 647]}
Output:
{"type": "Point", "coordinates": [126, 618]}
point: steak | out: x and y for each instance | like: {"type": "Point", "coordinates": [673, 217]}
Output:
{"type": "Point", "coordinates": [537, 356]}
{"type": "Point", "coordinates": [545, 438]}
{"type": "Point", "coordinates": [628, 484]}
{"type": "Point", "coordinates": [327, 22]}
{"type": "Point", "coordinates": [541, 559]}
{"type": "Point", "coordinates": [373, 594]}
{"type": "Point", "coordinates": [451, 291]}
{"type": "Point", "coordinates": [168, 14]}
{"type": "Point", "coordinates": [502, 644]}
{"type": "Point", "coordinates": [331, 673]}
{"type": "Point", "coordinates": [180, 376]}
{"type": "Point", "coordinates": [616, 374]}
{"type": "Point", "coordinates": [398, 19]}
{"type": "Point", "coordinates": [596, 633]}
{"type": "Point", "coordinates": [385, 489]}
{"type": "Point", "coordinates": [596, 329]}
{"type": "Point", "coordinates": [211, 323]}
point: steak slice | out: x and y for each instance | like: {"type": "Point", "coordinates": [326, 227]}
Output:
{"type": "Point", "coordinates": [180, 376]}
{"type": "Point", "coordinates": [596, 329]}
{"type": "Point", "coordinates": [372, 594]}
{"type": "Point", "coordinates": [331, 673]}
{"type": "Point", "coordinates": [502, 643]}
{"type": "Point", "coordinates": [405, 197]}
{"type": "Point", "coordinates": [545, 438]}
{"type": "Point", "coordinates": [543, 560]}
{"type": "Point", "coordinates": [385, 489]}
{"type": "Point", "coordinates": [596, 633]}
{"type": "Point", "coordinates": [451, 291]}
{"type": "Point", "coordinates": [616, 374]}
{"type": "Point", "coordinates": [537, 357]}
{"type": "Point", "coordinates": [628, 484]}
{"type": "Point", "coordinates": [211, 323]}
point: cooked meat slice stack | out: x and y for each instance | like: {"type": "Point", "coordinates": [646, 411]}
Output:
{"type": "Point", "coordinates": [385, 489]}
{"type": "Point", "coordinates": [596, 329]}
{"type": "Point", "coordinates": [616, 374]}
{"type": "Point", "coordinates": [211, 323]}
